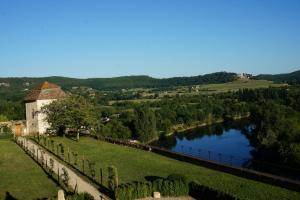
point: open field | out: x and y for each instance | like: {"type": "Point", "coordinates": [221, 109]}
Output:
{"type": "Point", "coordinates": [236, 85]}
{"type": "Point", "coordinates": [134, 165]}
{"type": "Point", "coordinates": [204, 89]}
{"type": "Point", "coordinates": [20, 176]}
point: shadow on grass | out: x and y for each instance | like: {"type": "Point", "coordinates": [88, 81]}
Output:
{"type": "Point", "coordinates": [8, 196]}
{"type": "Point", "coordinates": [152, 178]}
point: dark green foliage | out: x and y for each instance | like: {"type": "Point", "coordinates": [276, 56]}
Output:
{"type": "Point", "coordinates": [277, 133]}
{"type": "Point", "coordinates": [74, 113]}
{"type": "Point", "coordinates": [81, 196]}
{"type": "Point", "coordinates": [145, 124]}
{"type": "Point", "coordinates": [291, 78]}
{"type": "Point", "coordinates": [75, 157]}
{"type": "Point", "coordinates": [65, 177]}
{"type": "Point", "coordinates": [114, 129]}
{"type": "Point", "coordinates": [177, 177]}
{"type": "Point", "coordinates": [51, 166]}
{"type": "Point", "coordinates": [135, 190]}
{"type": "Point", "coordinates": [113, 179]}
{"type": "Point", "coordinates": [203, 192]}
{"type": "Point", "coordinates": [120, 82]}
{"type": "Point", "coordinates": [91, 166]}
{"type": "Point", "coordinates": [5, 132]}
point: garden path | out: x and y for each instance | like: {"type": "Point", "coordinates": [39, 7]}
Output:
{"type": "Point", "coordinates": [75, 181]}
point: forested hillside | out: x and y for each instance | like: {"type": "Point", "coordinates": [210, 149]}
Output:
{"type": "Point", "coordinates": [119, 82]}
{"type": "Point", "coordinates": [291, 78]}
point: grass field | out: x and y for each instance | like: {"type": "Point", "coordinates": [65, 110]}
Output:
{"type": "Point", "coordinates": [236, 85]}
{"type": "Point", "coordinates": [205, 89]}
{"type": "Point", "coordinates": [134, 165]}
{"type": "Point", "coordinates": [20, 176]}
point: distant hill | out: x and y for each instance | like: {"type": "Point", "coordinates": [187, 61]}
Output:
{"type": "Point", "coordinates": [291, 78]}
{"type": "Point", "coordinates": [25, 83]}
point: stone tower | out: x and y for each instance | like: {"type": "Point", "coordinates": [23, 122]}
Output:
{"type": "Point", "coordinates": [39, 96]}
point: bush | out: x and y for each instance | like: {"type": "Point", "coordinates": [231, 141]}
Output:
{"type": "Point", "coordinates": [81, 196]}
{"type": "Point", "coordinates": [203, 192]}
{"type": "Point", "coordinates": [133, 190]}
{"type": "Point", "coordinates": [5, 132]}
{"type": "Point", "coordinates": [137, 190]}
{"type": "Point", "coordinates": [177, 177]}
{"type": "Point", "coordinates": [113, 180]}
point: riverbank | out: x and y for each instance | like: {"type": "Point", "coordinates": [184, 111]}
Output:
{"type": "Point", "coordinates": [179, 128]}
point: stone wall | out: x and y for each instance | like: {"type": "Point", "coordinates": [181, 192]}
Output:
{"type": "Point", "coordinates": [17, 126]}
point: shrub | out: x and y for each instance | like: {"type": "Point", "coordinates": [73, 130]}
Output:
{"type": "Point", "coordinates": [75, 158]}
{"type": "Point", "coordinates": [5, 132]}
{"type": "Point", "coordinates": [203, 192]}
{"type": "Point", "coordinates": [51, 166]}
{"type": "Point", "coordinates": [177, 177]}
{"type": "Point", "coordinates": [81, 196]}
{"type": "Point", "coordinates": [137, 190]}
{"type": "Point", "coordinates": [113, 180]}
{"type": "Point", "coordinates": [133, 190]}
{"type": "Point", "coordinates": [65, 176]}
{"type": "Point", "coordinates": [92, 168]}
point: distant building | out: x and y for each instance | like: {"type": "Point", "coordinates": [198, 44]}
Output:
{"type": "Point", "coordinates": [244, 76]}
{"type": "Point", "coordinates": [39, 96]}
{"type": "Point", "coordinates": [4, 84]}
{"type": "Point", "coordinates": [26, 84]}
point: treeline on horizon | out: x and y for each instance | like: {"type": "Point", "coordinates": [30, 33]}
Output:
{"type": "Point", "coordinates": [290, 78]}
{"type": "Point", "coordinates": [123, 82]}
{"type": "Point", "coordinates": [127, 82]}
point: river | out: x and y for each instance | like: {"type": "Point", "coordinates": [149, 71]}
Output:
{"type": "Point", "coordinates": [226, 143]}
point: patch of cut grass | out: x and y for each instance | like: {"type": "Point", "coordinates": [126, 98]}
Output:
{"type": "Point", "coordinates": [20, 176]}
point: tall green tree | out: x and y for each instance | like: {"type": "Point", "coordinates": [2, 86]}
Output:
{"type": "Point", "coordinates": [145, 123]}
{"type": "Point", "coordinates": [73, 113]}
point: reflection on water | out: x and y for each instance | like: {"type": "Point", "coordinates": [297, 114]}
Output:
{"type": "Point", "coordinates": [226, 143]}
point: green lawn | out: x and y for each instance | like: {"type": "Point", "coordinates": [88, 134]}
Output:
{"type": "Point", "coordinates": [236, 85]}
{"type": "Point", "coordinates": [134, 164]}
{"type": "Point", "coordinates": [20, 176]}
{"type": "Point", "coordinates": [206, 89]}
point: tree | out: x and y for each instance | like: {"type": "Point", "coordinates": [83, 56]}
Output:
{"type": "Point", "coordinates": [3, 118]}
{"type": "Point", "coordinates": [72, 114]}
{"type": "Point", "coordinates": [145, 124]}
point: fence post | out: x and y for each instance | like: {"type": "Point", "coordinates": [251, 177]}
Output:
{"type": "Point", "coordinates": [83, 163]}
{"type": "Point", "coordinates": [101, 176]}
{"type": "Point", "coordinates": [58, 172]}
{"type": "Point", "coordinates": [199, 152]}
{"type": "Point", "coordinates": [37, 155]}
{"type": "Point", "coordinates": [68, 154]}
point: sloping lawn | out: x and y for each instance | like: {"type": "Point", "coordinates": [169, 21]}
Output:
{"type": "Point", "coordinates": [135, 165]}
{"type": "Point", "coordinates": [20, 176]}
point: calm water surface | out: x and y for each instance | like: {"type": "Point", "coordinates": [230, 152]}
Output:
{"type": "Point", "coordinates": [226, 143]}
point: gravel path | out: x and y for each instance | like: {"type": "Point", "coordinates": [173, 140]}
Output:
{"type": "Point", "coordinates": [75, 181]}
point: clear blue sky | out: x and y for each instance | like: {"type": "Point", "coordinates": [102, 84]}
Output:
{"type": "Point", "coordinates": [160, 38]}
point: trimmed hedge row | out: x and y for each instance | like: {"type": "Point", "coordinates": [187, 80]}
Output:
{"type": "Point", "coordinates": [203, 192]}
{"type": "Point", "coordinates": [137, 190]}
{"type": "Point", "coordinates": [175, 185]}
